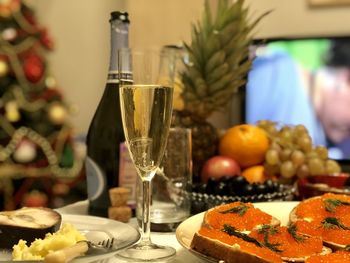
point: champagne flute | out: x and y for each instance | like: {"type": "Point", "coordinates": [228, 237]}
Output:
{"type": "Point", "coordinates": [146, 106]}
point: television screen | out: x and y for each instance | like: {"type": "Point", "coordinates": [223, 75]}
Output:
{"type": "Point", "coordinates": [303, 81]}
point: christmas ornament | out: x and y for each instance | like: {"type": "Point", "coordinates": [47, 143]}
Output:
{"type": "Point", "coordinates": [7, 7]}
{"type": "Point", "coordinates": [35, 199]}
{"type": "Point", "coordinates": [67, 159]}
{"type": "Point", "coordinates": [25, 152]}
{"type": "Point", "coordinates": [50, 95]}
{"type": "Point", "coordinates": [46, 40]}
{"type": "Point", "coordinates": [33, 68]}
{"type": "Point", "coordinates": [12, 114]}
{"type": "Point", "coordinates": [57, 113]}
{"type": "Point", "coordinates": [9, 34]}
{"type": "Point", "coordinates": [4, 69]}
{"type": "Point", "coordinates": [50, 82]}
{"type": "Point", "coordinates": [60, 189]}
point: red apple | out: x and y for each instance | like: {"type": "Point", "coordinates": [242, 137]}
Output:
{"type": "Point", "coordinates": [219, 166]}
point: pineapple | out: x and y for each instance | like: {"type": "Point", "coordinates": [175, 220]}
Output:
{"type": "Point", "coordinates": [218, 62]}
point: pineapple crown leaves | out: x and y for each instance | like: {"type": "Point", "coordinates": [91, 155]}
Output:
{"type": "Point", "coordinates": [218, 57]}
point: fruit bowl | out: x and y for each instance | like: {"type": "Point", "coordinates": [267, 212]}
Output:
{"type": "Point", "coordinates": [310, 186]}
{"type": "Point", "coordinates": [202, 201]}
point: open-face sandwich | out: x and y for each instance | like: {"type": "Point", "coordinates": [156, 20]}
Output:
{"type": "Point", "coordinates": [239, 232]}
{"type": "Point", "coordinates": [326, 216]}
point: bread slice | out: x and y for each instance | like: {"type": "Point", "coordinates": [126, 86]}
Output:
{"type": "Point", "coordinates": [325, 251]}
{"type": "Point", "coordinates": [242, 216]}
{"type": "Point", "coordinates": [311, 214]}
{"type": "Point", "coordinates": [220, 246]}
{"type": "Point", "coordinates": [338, 256]}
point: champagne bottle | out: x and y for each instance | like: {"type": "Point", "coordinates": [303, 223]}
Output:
{"type": "Point", "coordinates": [105, 134]}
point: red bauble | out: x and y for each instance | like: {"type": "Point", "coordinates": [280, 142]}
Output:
{"type": "Point", "coordinates": [33, 68]}
{"type": "Point", "coordinates": [35, 199]}
{"type": "Point", "coordinates": [29, 16]}
{"type": "Point", "coordinates": [45, 39]}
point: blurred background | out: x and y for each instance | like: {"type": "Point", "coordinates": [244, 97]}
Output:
{"type": "Point", "coordinates": [80, 34]}
{"type": "Point", "coordinates": [80, 31]}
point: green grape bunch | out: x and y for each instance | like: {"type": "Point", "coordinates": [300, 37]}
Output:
{"type": "Point", "coordinates": [292, 155]}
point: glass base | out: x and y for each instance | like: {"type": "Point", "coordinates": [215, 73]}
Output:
{"type": "Point", "coordinates": [163, 226]}
{"type": "Point", "coordinates": [147, 253]}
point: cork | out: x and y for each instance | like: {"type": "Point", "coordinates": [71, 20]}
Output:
{"type": "Point", "coordinates": [119, 196]}
{"type": "Point", "coordinates": [120, 213]}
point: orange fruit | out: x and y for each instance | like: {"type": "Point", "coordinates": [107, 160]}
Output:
{"type": "Point", "coordinates": [245, 143]}
{"type": "Point", "coordinates": [254, 174]}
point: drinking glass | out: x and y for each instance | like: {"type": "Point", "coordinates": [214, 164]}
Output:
{"type": "Point", "coordinates": [146, 105]}
{"type": "Point", "coordinates": [171, 198]}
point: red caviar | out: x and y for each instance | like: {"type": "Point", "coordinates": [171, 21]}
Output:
{"type": "Point", "coordinates": [308, 228]}
{"type": "Point", "coordinates": [218, 217]}
{"type": "Point", "coordinates": [244, 246]}
{"type": "Point", "coordinates": [335, 235]}
{"type": "Point", "coordinates": [315, 209]}
{"type": "Point", "coordinates": [288, 246]}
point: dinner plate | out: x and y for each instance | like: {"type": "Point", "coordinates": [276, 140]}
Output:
{"type": "Point", "coordinates": [95, 229]}
{"type": "Point", "coordinates": [186, 230]}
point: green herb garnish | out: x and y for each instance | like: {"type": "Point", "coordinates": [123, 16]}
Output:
{"type": "Point", "coordinates": [232, 231]}
{"type": "Point", "coordinates": [333, 222]}
{"type": "Point", "coordinates": [267, 230]}
{"type": "Point", "coordinates": [331, 204]}
{"type": "Point", "coordinates": [292, 230]}
{"type": "Point", "coordinates": [241, 210]}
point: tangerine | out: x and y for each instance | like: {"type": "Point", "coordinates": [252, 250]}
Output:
{"type": "Point", "coordinates": [245, 143]}
{"type": "Point", "coordinates": [255, 174]}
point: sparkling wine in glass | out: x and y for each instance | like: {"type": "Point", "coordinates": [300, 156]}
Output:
{"type": "Point", "coordinates": [146, 108]}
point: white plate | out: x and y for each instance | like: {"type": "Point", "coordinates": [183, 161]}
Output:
{"type": "Point", "coordinates": [95, 229]}
{"type": "Point", "coordinates": [186, 230]}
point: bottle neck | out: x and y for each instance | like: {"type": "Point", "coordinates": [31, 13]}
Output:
{"type": "Point", "coordinates": [119, 39]}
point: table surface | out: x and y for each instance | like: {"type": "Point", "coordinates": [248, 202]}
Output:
{"type": "Point", "coordinates": [182, 254]}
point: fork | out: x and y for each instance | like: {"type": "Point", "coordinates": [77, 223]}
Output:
{"type": "Point", "coordinates": [81, 247]}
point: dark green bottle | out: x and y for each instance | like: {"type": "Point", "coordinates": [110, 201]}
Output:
{"type": "Point", "coordinates": [105, 133]}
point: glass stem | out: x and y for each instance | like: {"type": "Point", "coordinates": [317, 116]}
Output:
{"type": "Point", "coordinates": [146, 212]}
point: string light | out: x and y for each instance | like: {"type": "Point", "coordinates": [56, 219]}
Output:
{"type": "Point", "coordinates": [51, 156]}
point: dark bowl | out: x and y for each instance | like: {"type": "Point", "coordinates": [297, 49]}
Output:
{"type": "Point", "coordinates": [201, 202]}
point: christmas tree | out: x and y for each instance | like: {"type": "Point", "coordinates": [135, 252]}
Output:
{"type": "Point", "coordinates": [35, 135]}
